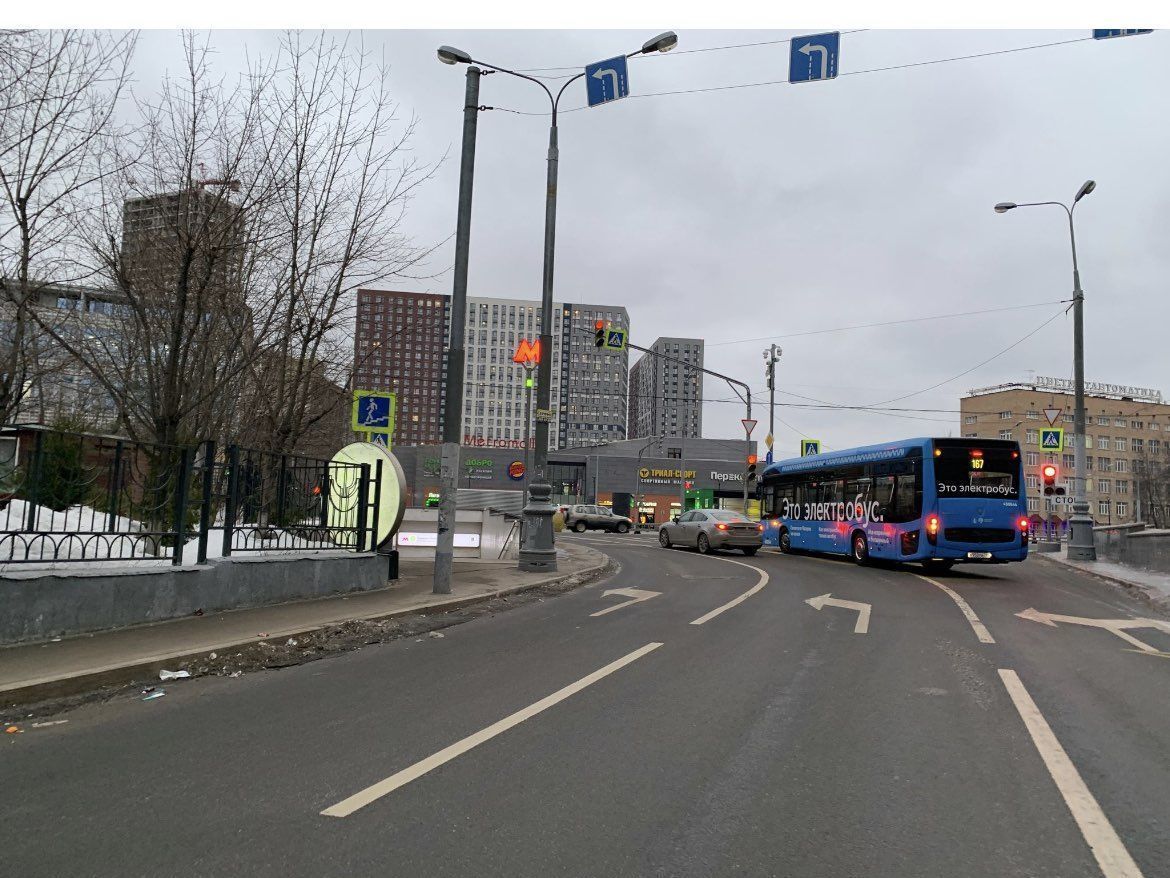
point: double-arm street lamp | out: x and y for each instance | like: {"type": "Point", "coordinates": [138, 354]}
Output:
{"type": "Point", "coordinates": [1080, 542]}
{"type": "Point", "coordinates": [536, 550]}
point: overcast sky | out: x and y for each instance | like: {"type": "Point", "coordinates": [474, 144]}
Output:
{"type": "Point", "coordinates": [781, 209]}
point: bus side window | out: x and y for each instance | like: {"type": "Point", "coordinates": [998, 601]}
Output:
{"type": "Point", "coordinates": [907, 498]}
{"type": "Point", "coordinates": [883, 495]}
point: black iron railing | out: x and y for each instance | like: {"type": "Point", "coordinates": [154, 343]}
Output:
{"type": "Point", "coordinates": [81, 497]}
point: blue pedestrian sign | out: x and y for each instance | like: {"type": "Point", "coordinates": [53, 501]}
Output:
{"type": "Point", "coordinates": [1052, 440]}
{"type": "Point", "coordinates": [1120, 32]}
{"type": "Point", "coordinates": [809, 447]}
{"type": "Point", "coordinates": [606, 81]}
{"type": "Point", "coordinates": [814, 57]}
{"type": "Point", "coordinates": [615, 339]}
{"type": "Point", "coordinates": [373, 411]}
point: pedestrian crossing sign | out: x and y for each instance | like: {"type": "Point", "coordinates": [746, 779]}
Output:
{"type": "Point", "coordinates": [1052, 440]}
{"type": "Point", "coordinates": [809, 447]}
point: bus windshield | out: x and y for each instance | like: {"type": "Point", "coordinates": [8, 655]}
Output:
{"type": "Point", "coordinates": [978, 471]}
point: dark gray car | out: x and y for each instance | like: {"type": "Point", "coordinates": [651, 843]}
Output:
{"type": "Point", "coordinates": [583, 517]}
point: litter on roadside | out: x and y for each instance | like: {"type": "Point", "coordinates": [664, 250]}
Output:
{"type": "Point", "coordinates": [157, 693]}
{"type": "Point", "coordinates": [234, 674]}
{"type": "Point", "coordinates": [47, 723]}
{"type": "Point", "coordinates": [261, 634]}
{"type": "Point", "coordinates": [173, 675]}
{"type": "Point", "coordinates": [13, 730]}
{"type": "Point", "coordinates": [211, 657]}
{"type": "Point", "coordinates": [291, 642]}
{"type": "Point", "coordinates": [437, 634]}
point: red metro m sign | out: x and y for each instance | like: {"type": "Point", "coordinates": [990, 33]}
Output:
{"type": "Point", "coordinates": [527, 352]}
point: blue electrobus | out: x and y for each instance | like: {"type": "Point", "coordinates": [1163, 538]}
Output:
{"type": "Point", "coordinates": [938, 501]}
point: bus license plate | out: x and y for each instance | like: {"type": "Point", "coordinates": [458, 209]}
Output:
{"type": "Point", "coordinates": [979, 556]}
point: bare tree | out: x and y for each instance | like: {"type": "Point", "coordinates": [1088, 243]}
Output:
{"type": "Point", "coordinates": [58, 94]}
{"type": "Point", "coordinates": [184, 250]}
{"type": "Point", "coordinates": [336, 224]}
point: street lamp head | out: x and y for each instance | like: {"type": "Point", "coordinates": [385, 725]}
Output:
{"type": "Point", "coordinates": [1004, 206]}
{"type": "Point", "coordinates": [1086, 188]}
{"type": "Point", "coordinates": [451, 55]}
{"type": "Point", "coordinates": [661, 43]}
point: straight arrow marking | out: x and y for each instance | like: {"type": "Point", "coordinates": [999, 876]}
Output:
{"type": "Point", "coordinates": [827, 600]}
{"type": "Point", "coordinates": [636, 595]}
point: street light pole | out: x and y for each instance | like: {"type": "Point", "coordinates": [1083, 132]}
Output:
{"type": "Point", "coordinates": [770, 357]}
{"type": "Point", "coordinates": [536, 550]}
{"type": "Point", "coordinates": [1081, 546]}
{"type": "Point", "coordinates": [453, 412]}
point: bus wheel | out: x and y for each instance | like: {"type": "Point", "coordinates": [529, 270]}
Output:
{"type": "Point", "coordinates": [860, 548]}
{"type": "Point", "coordinates": [937, 565]}
{"type": "Point", "coordinates": [785, 542]}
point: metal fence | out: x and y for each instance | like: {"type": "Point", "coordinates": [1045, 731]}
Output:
{"type": "Point", "coordinates": [81, 497]}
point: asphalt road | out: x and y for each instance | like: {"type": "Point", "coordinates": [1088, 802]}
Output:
{"type": "Point", "coordinates": [770, 739]}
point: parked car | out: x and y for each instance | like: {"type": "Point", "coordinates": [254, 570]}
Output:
{"type": "Point", "coordinates": [582, 517]}
{"type": "Point", "coordinates": [710, 529]}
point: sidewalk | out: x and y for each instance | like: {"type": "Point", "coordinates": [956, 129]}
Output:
{"type": "Point", "coordinates": [30, 672]}
{"type": "Point", "coordinates": [1154, 586]}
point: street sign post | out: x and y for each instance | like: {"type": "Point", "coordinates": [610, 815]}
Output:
{"type": "Point", "coordinates": [1052, 439]}
{"type": "Point", "coordinates": [1109, 33]}
{"type": "Point", "coordinates": [814, 57]}
{"type": "Point", "coordinates": [809, 447]}
{"type": "Point", "coordinates": [606, 81]}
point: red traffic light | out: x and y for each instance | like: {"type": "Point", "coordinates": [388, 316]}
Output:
{"type": "Point", "coordinates": [599, 324]}
{"type": "Point", "coordinates": [751, 460]}
{"type": "Point", "coordinates": [1049, 472]}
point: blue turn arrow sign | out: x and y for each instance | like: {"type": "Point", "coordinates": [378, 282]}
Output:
{"type": "Point", "coordinates": [814, 57]}
{"type": "Point", "coordinates": [606, 81]}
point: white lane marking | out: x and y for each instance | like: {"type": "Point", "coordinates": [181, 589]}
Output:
{"type": "Point", "coordinates": [965, 608]}
{"type": "Point", "coordinates": [636, 595]}
{"type": "Point", "coordinates": [1114, 626]}
{"type": "Point", "coordinates": [1103, 841]}
{"type": "Point", "coordinates": [863, 610]}
{"type": "Point", "coordinates": [735, 601]}
{"type": "Point", "coordinates": [372, 793]}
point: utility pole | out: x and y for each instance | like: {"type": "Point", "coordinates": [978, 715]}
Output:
{"type": "Point", "coordinates": [770, 357]}
{"type": "Point", "coordinates": [453, 413]}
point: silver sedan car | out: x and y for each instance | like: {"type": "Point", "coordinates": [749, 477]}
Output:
{"type": "Point", "coordinates": [710, 529]}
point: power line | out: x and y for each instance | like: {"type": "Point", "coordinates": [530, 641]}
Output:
{"type": "Point", "coordinates": [716, 88]}
{"type": "Point", "coordinates": [890, 323]}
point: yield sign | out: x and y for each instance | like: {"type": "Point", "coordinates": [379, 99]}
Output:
{"type": "Point", "coordinates": [749, 424]}
{"type": "Point", "coordinates": [1052, 415]}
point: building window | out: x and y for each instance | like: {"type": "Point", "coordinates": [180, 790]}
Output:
{"type": "Point", "coordinates": [1033, 416]}
{"type": "Point", "coordinates": [1121, 486]}
{"type": "Point", "coordinates": [1122, 510]}
{"type": "Point", "coordinates": [1121, 465]}
{"type": "Point", "coordinates": [970, 419]}
{"type": "Point", "coordinates": [1135, 445]}
{"type": "Point", "coordinates": [1032, 437]}
{"type": "Point", "coordinates": [1005, 434]}
{"type": "Point", "coordinates": [1005, 416]}
{"type": "Point", "coordinates": [1102, 507]}
{"type": "Point", "coordinates": [1119, 422]}
{"type": "Point", "coordinates": [1104, 486]}
{"type": "Point", "coordinates": [1032, 458]}
{"type": "Point", "coordinates": [1105, 464]}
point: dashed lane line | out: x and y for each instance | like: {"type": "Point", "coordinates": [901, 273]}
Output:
{"type": "Point", "coordinates": [965, 608]}
{"type": "Point", "coordinates": [370, 794]}
{"type": "Point", "coordinates": [1108, 849]}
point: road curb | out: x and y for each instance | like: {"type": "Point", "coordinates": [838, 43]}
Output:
{"type": "Point", "coordinates": [1142, 591]}
{"type": "Point", "coordinates": [122, 674]}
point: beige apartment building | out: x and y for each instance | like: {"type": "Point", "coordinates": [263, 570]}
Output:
{"type": "Point", "coordinates": [1127, 448]}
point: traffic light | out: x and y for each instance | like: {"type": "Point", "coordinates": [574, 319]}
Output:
{"type": "Point", "coordinates": [599, 334]}
{"type": "Point", "coordinates": [751, 467]}
{"type": "Point", "coordinates": [1048, 474]}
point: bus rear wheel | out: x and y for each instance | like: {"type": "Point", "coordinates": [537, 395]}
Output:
{"type": "Point", "coordinates": [860, 551]}
{"type": "Point", "coordinates": [785, 542]}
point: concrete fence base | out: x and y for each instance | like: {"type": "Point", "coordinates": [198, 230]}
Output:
{"type": "Point", "coordinates": [37, 605]}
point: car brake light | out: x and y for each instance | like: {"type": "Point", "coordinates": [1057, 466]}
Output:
{"type": "Point", "coordinates": [721, 527]}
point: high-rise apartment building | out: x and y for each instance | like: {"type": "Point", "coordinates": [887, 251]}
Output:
{"type": "Point", "coordinates": [1127, 442]}
{"type": "Point", "coordinates": [400, 345]}
{"type": "Point", "coordinates": [666, 397]}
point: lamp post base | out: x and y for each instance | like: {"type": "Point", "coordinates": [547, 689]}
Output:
{"type": "Point", "coordinates": [1081, 546]}
{"type": "Point", "coordinates": [537, 553]}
